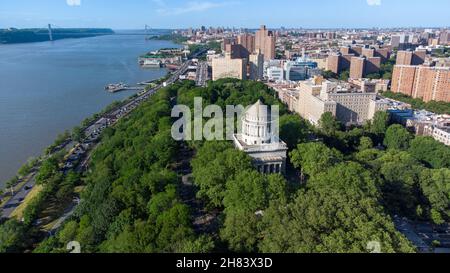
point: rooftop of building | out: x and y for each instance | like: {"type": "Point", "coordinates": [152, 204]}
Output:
{"type": "Point", "coordinates": [423, 116]}
{"type": "Point", "coordinates": [276, 145]}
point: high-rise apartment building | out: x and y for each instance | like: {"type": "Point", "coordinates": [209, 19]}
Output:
{"type": "Point", "coordinates": [444, 38]}
{"type": "Point", "coordinates": [227, 67]}
{"type": "Point", "coordinates": [333, 63]}
{"type": "Point", "coordinates": [368, 52]}
{"type": "Point", "coordinates": [424, 82]}
{"type": "Point", "coordinates": [357, 67]}
{"type": "Point", "coordinates": [247, 41]}
{"type": "Point", "coordinates": [395, 41]}
{"type": "Point", "coordinates": [256, 66]}
{"type": "Point", "coordinates": [408, 57]}
{"type": "Point", "coordinates": [237, 51]}
{"type": "Point", "coordinates": [265, 42]}
{"type": "Point", "coordinates": [363, 66]}
{"type": "Point", "coordinates": [228, 41]}
{"type": "Point", "coordinates": [372, 65]}
{"type": "Point", "coordinates": [339, 62]}
{"type": "Point", "coordinates": [373, 57]}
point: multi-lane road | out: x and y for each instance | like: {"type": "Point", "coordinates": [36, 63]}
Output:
{"type": "Point", "coordinates": [18, 198]}
{"type": "Point", "coordinates": [202, 74]}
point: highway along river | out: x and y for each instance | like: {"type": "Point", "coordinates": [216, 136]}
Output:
{"type": "Point", "coordinates": [47, 88]}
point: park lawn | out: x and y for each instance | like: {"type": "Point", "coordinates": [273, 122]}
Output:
{"type": "Point", "coordinates": [18, 212]}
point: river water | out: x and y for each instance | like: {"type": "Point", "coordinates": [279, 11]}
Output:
{"type": "Point", "coordinates": [47, 88]}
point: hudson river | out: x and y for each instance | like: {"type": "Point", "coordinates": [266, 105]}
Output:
{"type": "Point", "coordinates": [47, 88]}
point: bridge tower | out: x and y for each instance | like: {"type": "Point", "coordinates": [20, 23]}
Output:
{"type": "Point", "coordinates": [50, 33]}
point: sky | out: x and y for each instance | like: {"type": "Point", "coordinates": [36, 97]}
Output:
{"type": "Point", "coordinates": [135, 14]}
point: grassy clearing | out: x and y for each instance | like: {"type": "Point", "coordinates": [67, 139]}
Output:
{"type": "Point", "coordinates": [18, 212]}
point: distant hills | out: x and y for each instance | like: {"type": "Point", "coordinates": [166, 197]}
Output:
{"type": "Point", "coordinates": [13, 35]}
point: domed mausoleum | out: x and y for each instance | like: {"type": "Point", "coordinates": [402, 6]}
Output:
{"type": "Point", "coordinates": [259, 139]}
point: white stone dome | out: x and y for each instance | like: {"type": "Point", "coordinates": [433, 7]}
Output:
{"type": "Point", "coordinates": [258, 112]}
{"type": "Point", "coordinates": [257, 124]}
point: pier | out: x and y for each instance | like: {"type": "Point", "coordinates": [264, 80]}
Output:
{"type": "Point", "coordinates": [117, 87]}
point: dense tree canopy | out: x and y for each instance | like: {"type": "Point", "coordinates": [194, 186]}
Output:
{"type": "Point", "coordinates": [293, 130]}
{"type": "Point", "coordinates": [397, 137]}
{"type": "Point", "coordinates": [12, 236]}
{"type": "Point", "coordinates": [314, 157]}
{"type": "Point", "coordinates": [134, 201]}
{"type": "Point", "coordinates": [328, 124]}
{"type": "Point", "coordinates": [431, 152]}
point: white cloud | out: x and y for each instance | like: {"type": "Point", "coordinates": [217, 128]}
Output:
{"type": "Point", "coordinates": [374, 2]}
{"type": "Point", "coordinates": [73, 2]}
{"type": "Point", "coordinates": [194, 6]}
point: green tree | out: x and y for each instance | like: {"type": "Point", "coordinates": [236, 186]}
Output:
{"type": "Point", "coordinates": [10, 184]}
{"type": "Point", "coordinates": [49, 245]}
{"type": "Point", "coordinates": [387, 76]}
{"type": "Point", "coordinates": [246, 198]}
{"type": "Point", "coordinates": [12, 236]}
{"type": "Point", "coordinates": [328, 124]}
{"type": "Point", "coordinates": [78, 134]}
{"type": "Point", "coordinates": [373, 76]}
{"type": "Point", "coordinates": [215, 164]}
{"type": "Point", "coordinates": [349, 177]}
{"type": "Point", "coordinates": [203, 244]}
{"type": "Point", "coordinates": [48, 169]}
{"type": "Point", "coordinates": [344, 75]}
{"type": "Point", "coordinates": [293, 130]}
{"type": "Point", "coordinates": [400, 181]}
{"type": "Point", "coordinates": [246, 192]}
{"type": "Point", "coordinates": [365, 143]}
{"type": "Point", "coordinates": [329, 220]}
{"type": "Point", "coordinates": [380, 123]}
{"type": "Point", "coordinates": [26, 168]}
{"type": "Point", "coordinates": [315, 157]}
{"type": "Point", "coordinates": [431, 152]}
{"type": "Point", "coordinates": [68, 233]}
{"type": "Point", "coordinates": [397, 137]}
{"type": "Point", "coordinates": [328, 74]}
{"type": "Point", "coordinates": [435, 185]}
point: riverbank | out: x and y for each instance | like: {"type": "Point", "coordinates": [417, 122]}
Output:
{"type": "Point", "coordinates": [72, 150]}
{"type": "Point", "coordinates": [175, 38]}
{"type": "Point", "coordinates": [17, 36]}
{"type": "Point", "coordinates": [48, 88]}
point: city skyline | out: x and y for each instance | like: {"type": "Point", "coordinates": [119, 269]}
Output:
{"type": "Point", "coordinates": [249, 14]}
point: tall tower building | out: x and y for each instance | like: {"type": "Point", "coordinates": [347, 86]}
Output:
{"type": "Point", "coordinates": [357, 67]}
{"type": "Point", "coordinates": [411, 58]}
{"type": "Point", "coordinates": [424, 82]}
{"type": "Point", "coordinates": [247, 41]}
{"type": "Point", "coordinates": [265, 42]}
{"type": "Point", "coordinates": [256, 63]}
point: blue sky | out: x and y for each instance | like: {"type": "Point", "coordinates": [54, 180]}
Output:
{"type": "Point", "coordinates": [133, 14]}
